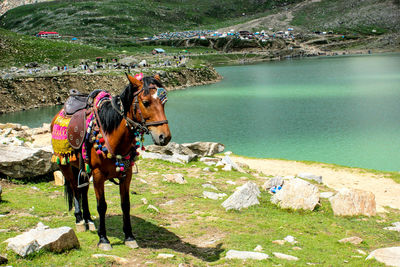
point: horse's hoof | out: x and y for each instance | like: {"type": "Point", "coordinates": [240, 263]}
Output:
{"type": "Point", "coordinates": [80, 226]}
{"type": "Point", "coordinates": [132, 244]}
{"type": "Point", "coordinates": [91, 226]}
{"type": "Point", "coordinates": [105, 246]}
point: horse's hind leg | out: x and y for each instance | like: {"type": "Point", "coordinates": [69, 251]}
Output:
{"type": "Point", "coordinates": [125, 206]}
{"type": "Point", "coordinates": [85, 208]}
{"type": "Point", "coordinates": [71, 178]}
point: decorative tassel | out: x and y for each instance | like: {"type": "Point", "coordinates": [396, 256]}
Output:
{"type": "Point", "coordinates": [58, 160]}
{"type": "Point", "coordinates": [143, 148]}
{"type": "Point", "coordinates": [99, 152]}
{"type": "Point", "coordinates": [87, 167]}
{"type": "Point", "coordinates": [63, 161]}
{"type": "Point", "coordinates": [132, 163]}
{"type": "Point", "coordinates": [121, 169]}
{"type": "Point", "coordinates": [118, 169]}
{"type": "Point", "coordinates": [73, 157]}
{"type": "Point", "coordinates": [54, 158]}
{"type": "Point", "coordinates": [109, 155]}
{"type": "Point", "coordinates": [128, 157]}
{"type": "Point", "coordinates": [68, 159]}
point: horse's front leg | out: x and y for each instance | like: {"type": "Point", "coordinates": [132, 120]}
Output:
{"type": "Point", "coordinates": [125, 206]}
{"type": "Point", "coordinates": [98, 182]}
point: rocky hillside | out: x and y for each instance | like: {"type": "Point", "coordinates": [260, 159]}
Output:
{"type": "Point", "coordinates": [25, 93]}
{"type": "Point", "coordinates": [6, 5]}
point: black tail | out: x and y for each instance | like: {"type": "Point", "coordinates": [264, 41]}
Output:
{"type": "Point", "coordinates": [69, 196]}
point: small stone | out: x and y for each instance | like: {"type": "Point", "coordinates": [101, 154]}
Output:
{"type": "Point", "coordinates": [206, 169]}
{"type": "Point", "coordinates": [144, 200]}
{"type": "Point", "coordinates": [285, 256]}
{"type": "Point", "coordinates": [143, 181]}
{"type": "Point", "coordinates": [165, 256]}
{"type": "Point", "coordinates": [395, 227]}
{"type": "Point", "coordinates": [353, 240]}
{"type": "Point", "coordinates": [310, 176]}
{"type": "Point", "coordinates": [58, 178]}
{"type": "Point", "coordinates": [151, 207]}
{"type": "Point", "coordinates": [209, 186]}
{"type": "Point", "coordinates": [214, 196]}
{"type": "Point", "coordinates": [290, 239]}
{"type": "Point", "coordinates": [279, 242]}
{"type": "Point", "coordinates": [258, 248]}
{"type": "Point", "coordinates": [361, 252]}
{"type": "Point", "coordinates": [174, 178]}
{"type": "Point", "coordinates": [168, 203]}
{"type": "Point", "coordinates": [117, 259]}
{"type": "Point", "coordinates": [296, 248]}
{"type": "Point", "coordinates": [235, 254]}
{"type": "Point", "coordinates": [275, 181]}
{"type": "Point", "coordinates": [231, 182]}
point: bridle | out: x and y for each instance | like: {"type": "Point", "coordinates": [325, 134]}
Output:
{"type": "Point", "coordinates": [141, 126]}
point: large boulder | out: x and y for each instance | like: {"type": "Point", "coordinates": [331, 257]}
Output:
{"type": "Point", "coordinates": [43, 237]}
{"type": "Point", "coordinates": [352, 202]}
{"type": "Point", "coordinates": [172, 152]}
{"type": "Point", "coordinates": [245, 196]}
{"type": "Point", "coordinates": [203, 149]}
{"type": "Point", "coordinates": [389, 256]}
{"type": "Point", "coordinates": [297, 194]}
{"type": "Point", "coordinates": [20, 161]}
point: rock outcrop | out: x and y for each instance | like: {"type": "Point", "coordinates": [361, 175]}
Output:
{"type": "Point", "coordinates": [297, 194]}
{"type": "Point", "coordinates": [43, 237]}
{"type": "Point", "coordinates": [244, 197]}
{"type": "Point", "coordinates": [352, 202]}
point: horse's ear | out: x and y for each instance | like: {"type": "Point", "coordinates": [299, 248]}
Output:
{"type": "Point", "coordinates": [157, 77]}
{"type": "Point", "coordinates": [135, 82]}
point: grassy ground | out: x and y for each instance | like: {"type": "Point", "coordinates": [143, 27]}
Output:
{"type": "Point", "coordinates": [197, 231]}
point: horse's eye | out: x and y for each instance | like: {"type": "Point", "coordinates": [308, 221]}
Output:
{"type": "Point", "coordinates": [146, 104]}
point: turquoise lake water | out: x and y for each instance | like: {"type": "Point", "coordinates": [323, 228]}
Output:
{"type": "Point", "coordinates": [342, 110]}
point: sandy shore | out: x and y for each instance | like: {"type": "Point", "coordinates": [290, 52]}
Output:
{"type": "Point", "coordinates": [387, 192]}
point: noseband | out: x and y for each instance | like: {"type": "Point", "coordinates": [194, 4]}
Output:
{"type": "Point", "coordinates": [142, 125]}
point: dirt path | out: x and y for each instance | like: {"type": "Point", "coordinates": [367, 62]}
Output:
{"type": "Point", "coordinates": [387, 192]}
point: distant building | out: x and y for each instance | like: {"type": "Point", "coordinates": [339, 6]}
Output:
{"type": "Point", "coordinates": [158, 51]}
{"type": "Point", "coordinates": [51, 35]}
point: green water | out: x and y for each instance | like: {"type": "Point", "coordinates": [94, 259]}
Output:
{"type": "Point", "coordinates": [342, 110]}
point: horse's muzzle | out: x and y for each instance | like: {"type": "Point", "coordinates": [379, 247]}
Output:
{"type": "Point", "coordinates": [160, 139]}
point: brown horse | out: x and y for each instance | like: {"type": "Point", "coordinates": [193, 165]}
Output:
{"type": "Point", "coordinates": [111, 149]}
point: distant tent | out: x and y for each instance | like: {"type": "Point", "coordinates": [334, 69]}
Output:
{"type": "Point", "coordinates": [159, 50]}
{"type": "Point", "coordinates": [74, 39]}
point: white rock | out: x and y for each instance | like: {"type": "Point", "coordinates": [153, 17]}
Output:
{"type": "Point", "coordinates": [395, 227]}
{"type": "Point", "coordinates": [285, 256]}
{"type": "Point", "coordinates": [275, 181]}
{"type": "Point", "coordinates": [245, 196]}
{"type": "Point", "coordinates": [165, 256]}
{"type": "Point", "coordinates": [151, 207]}
{"type": "Point", "coordinates": [174, 178]}
{"type": "Point", "coordinates": [389, 256]}
{"type": "Point", "coordinates": [219, 164]}
{"type": "Point", "coordinates": [361, 252]}
{"type": "Point", "coordinates": [209, 186]}
{"type": "Point", "coordinates": [297, 194]}
{"type": "Point", "coordinates": [144, 201]}
{"type": "Point", "coordinates": [214, 196]}
{"type": "Point", "coordinates": [236, 254]}
{"type": "Point", "coordinates": [355, 240]}
{"type": "Point", "coordinates": [290, 239]}
{"type": "Point", "coordinates": [41, 237]}
{"type": "Point", "coordinates": [227, 168]}
{"type": "Point", "coordinates": [258, 248]}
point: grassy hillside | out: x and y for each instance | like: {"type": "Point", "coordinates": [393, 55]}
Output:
{"type": "Point", "coordinates": [196, 230]}
{"type": "Point", "coordinates": [18, 49]}
{"type": "Point", "coordinates": [110, 22]}
{"type": "Point", "coordinates": [356, 16]}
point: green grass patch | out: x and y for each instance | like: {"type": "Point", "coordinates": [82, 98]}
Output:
{"type": "Point", "coordinates": [196, 230]}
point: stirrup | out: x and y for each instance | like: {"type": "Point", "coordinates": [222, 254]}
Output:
{"type": "Point", "coordinates": [82, 174]}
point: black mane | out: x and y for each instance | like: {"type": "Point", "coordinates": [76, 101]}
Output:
{"type": "Point", "coordinates": [110, 119]}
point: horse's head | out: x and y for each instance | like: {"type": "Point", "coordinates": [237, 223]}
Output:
{"type": "Point", "coordinates": [148, 107]}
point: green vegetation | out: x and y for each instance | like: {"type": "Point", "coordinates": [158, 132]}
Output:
{"type": "Point", "coordinates": [19, 49]}
{"type": "Point", "coordinates": [197, 230]}
{"type": "Point", "coordinates": [341, 16]}
{"type": "Point", "coordinates": [117, 23]}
